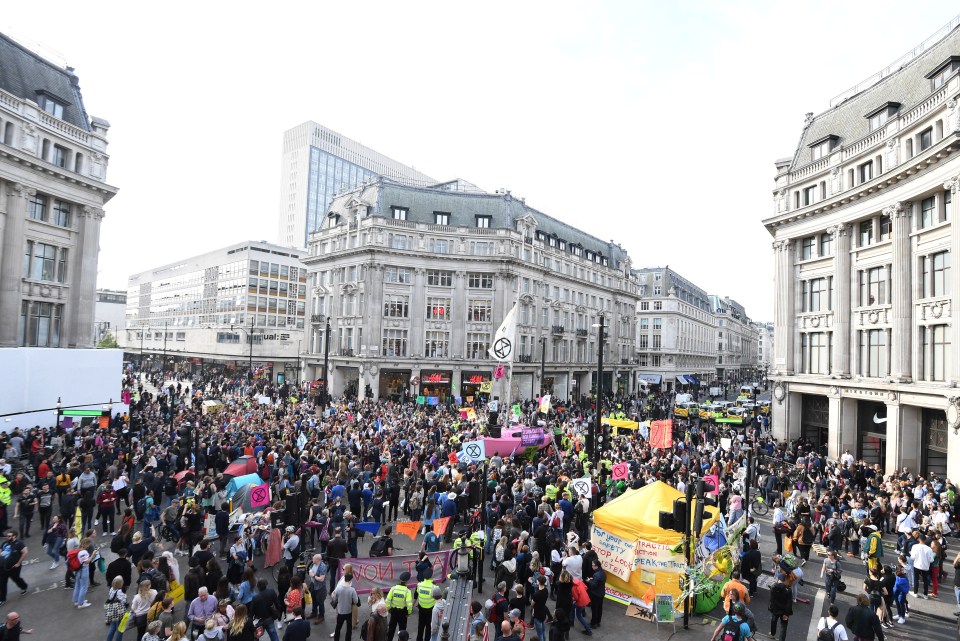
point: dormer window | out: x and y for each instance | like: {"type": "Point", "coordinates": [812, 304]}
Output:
{"type": "Point", "coordinates": [399, 213]}
{"type": "Point", "coordinates": [879, 116]}
{"type": "Point", "coordinates": [483, 222]}
{"type": "Point", "coordinates": [441, 218]}
{"type": "Point", "coordinates": [51, 106]}
{"type": "Point", "coordinates": [938, 77]}
{"type": "Point", "coordinates": [822, 146]}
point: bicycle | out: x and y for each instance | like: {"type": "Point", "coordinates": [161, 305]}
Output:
{"type": "Point", "coordinates": [759, 506]}
{"type": "Point", "coordinates": [304, 559]}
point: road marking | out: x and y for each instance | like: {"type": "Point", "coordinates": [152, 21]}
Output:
{"type": "Point", "coordinates": [817, 613]}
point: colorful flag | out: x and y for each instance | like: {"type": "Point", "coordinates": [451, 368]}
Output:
{"type": "Point", "coordinates": [440, 525]}
{"type": "Point", "coordinates": [545, 404]}
{"type": "Point", "coordinates": [371, 527]}
{"type": "Point", "coordinates": [516, 410]}
{"type": "Point", "coordinates": [486, 387]}
{"type": "Point", "coordinates": [620, 471]}
{"type": "Point", "coordinates": [408, 528]}
{"type": "Point", "coordinates": [498, 371]}
{"type": "Point", "coordinates": [501, 347]}
{"type": "Point", "coordinates": [260, 495]}
{"type": "Point", "coordinates": [661, 434]}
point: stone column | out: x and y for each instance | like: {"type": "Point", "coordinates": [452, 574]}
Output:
{"type": "Point", "coordinates": [83, 293]}
{"type": "Point", "coordinates": [11, 263]}
{"type": "Point", "coordinates": [418, 315]}
{"type": "Point", "coordinates": [901, 358]}
{"type": "Point", "coordinates": [373, 288]}
{"type": "Point", "coordinates": [458, 335]}
{"type": "Point", "coordinates": [784, 307]}
{"type": "Point", "coordinates": [953, 185]}
{"type": "Point", "coordinates": [841, 309]}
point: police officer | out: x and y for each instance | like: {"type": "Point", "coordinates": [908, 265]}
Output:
{"type": "Point", "coordinates": [425, 601]}
{"type": "Point", "coordinates": [477, 540]}
{"type": "Point", "coordinates": [400, 604]}
{"type": "Point", "coordinates": [461, 541]}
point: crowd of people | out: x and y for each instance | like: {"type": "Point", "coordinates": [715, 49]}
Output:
{"type": "Point", "coordinates": [117, 506]}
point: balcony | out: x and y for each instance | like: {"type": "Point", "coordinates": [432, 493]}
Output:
{"type": "Point", "coordinates": [582, 333]}
{"type": "Point", "coordinates": [557, 329]}
{"type": "Point", "coordinates": [524, 358]}
{"type": "Point", "coordinates": [346, 352]}
{"type": "Point", "coordinates": [316, 319]}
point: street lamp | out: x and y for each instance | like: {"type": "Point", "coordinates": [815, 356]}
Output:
{"type": "Point", "coordinates": [543, 362]}
{"type": "Point", "coordinates": [59, 412]}
{"type": "Point", "coordinates": [594, 435]}
{"type": "Point", "coordinates": [326, 359]}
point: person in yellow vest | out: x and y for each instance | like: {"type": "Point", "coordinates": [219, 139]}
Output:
{"type": "Point", "coordinates": [4, 501]}
{"type": "Point", "coordinates": [477, 539]}
{"type": "Point", "coordinates": [463, 540]}
{"type": "Point", "coordinates": [425, 602]}
{"type": "Point", "coordinates": [551, 492]}
{"type": "Point", "coordinates": [400, 604]}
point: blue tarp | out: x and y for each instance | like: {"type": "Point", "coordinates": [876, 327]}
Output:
{"type": "Point", "coordinates": [240, 481]}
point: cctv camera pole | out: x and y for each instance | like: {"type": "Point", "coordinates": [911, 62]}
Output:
{"type": "Point", "coordinates": [687, 549]}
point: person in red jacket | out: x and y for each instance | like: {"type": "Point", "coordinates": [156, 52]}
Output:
{"type": "Point", "coordinates": [107, 503]}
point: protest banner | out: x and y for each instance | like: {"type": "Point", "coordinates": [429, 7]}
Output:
{"type": "Point", "coordinates": [440, 525]}
{"type": "Point", "coordinates": [408, 528]}
{"type": "Point", "coordinates": [620, 471]}
{"type": "Point", "coordinates": [657, 557]}
{"type": "Point", "coordinates": [615, 552]}
{"type": "Point", "coordinates": [531, 436]}
{"type": "Point", "coordinates": [661, 434]}
{"type": "Point", "coordinates": [260, 495]}
{"type": "Point", "coordinates": [382, 572]}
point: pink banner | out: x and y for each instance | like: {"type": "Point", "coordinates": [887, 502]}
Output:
{"type": "Point", "coordinates": [713, 478]}
{"type": "Point", "coordinates": [382, 572]}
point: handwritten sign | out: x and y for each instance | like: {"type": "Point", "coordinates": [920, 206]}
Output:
{"type": "Point", "coordinates": [621, 471]}
{"type": "Point", "coordinates": [657, 558]}
{"type": "Point", "coordinates": [531, 436]}
{"type": "Point", "coordinates": [661, 434]}
{"type": "Point", "coordinates": [615, 552]}
{"type": "Point", "coordinates": [665, 608]}
{"type": "Point", "coordinates": [582, 487]}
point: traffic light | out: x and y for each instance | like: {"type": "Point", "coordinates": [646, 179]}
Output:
{"type": "Point", "coordinates": [702, 488]}
{"type": "Point", "coordinates": [183, 441]}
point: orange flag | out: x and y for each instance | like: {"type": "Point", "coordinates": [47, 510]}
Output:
{"type": "Point", "coordinates": [410, 528]}
{"type": "Point", "coordinates": [440, 525]}
{"type": "Point", "coordinates": [650, 594]}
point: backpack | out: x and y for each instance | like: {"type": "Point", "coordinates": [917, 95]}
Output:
{"type": "Point", "coordinates": [580, 597]}
{"type": "Point", "coordinates": [731, 630]}
{"type": "Point", "coordinates": [154, 611]}
{"type": "Point", "coordinates": [141, 507]}
{"type": "Point", "coordinates": [826, 633]}
{"type": "Point", "coordinates": [379, 547]}
{"type": "Point", "coordinates": [494, 615]}
{"type": "Point", "coordinates": [73, 560]}
{"type": "Point", "coordinates": [556, 522]}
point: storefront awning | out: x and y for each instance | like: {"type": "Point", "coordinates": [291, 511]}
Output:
{"type": "Point", "coordinates": [653, 379]}
{"type": "Point", "coordinates": [682, 379]}
{"type": "Point", "coordinates": [692, 379]}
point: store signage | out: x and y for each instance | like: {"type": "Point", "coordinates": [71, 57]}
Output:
{"type": "Point", "coordinates": [435, 378]}
{"type": "Point", "coordinates": [276, 337]}
{"type": "Point", "coordinates": [476, 379]}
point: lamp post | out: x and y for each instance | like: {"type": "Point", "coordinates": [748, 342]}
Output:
{"type": "Point", "coordinates": [326, 360]}
{"type": "Point", "coordinates": [163, 363]}
{"type": "Point", "coordinates": [141, 347]}
{"type": "Point", "coordinates": [298, 362]}
{"type": "Point", "coordinates": [593, 439]}
{"type": "Point", "coordinates": [543, 362]}
{"type": "Point", "coordinates": [59, 412]}
{"type": "Point", "coordinates": [250, 367]}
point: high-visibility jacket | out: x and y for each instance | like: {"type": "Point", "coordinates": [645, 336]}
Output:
{"type": "Point", "coordinates": [551, 491]}
{"type": "Point", "coordinates": [400, 597]}
{"type": "Point", "coordinates": [425, 593]}
{"type": "Point", "coordinates": [459, 542]}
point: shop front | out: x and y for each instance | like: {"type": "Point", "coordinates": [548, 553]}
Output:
{"type": "Point", "coordinates": [557, 384]}
{"type": "Point", "coordinates": [934, 438]}
{"type": "Point", "coordinates": [470, 383]}
{"type": "Point", "coordinates": [394, 384]}
{"type": "Point", "coordinates": [436, 383]}
{"type": "Point", "coordinates": [651, 381]}
{"type": "Point", "coordinates": [872, 432]}
{"type": "Point", "coordinates": [814, 419]}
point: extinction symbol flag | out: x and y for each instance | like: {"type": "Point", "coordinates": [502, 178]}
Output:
{"type": "Point", "coordinates": [583, 487]}
{"type": "Point", "coordinates": [620, 471]}
{"type": "Point", "coordinates": [501, 348]}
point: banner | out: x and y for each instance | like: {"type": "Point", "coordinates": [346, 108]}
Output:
{"type": "Point", "coordinates": [531, 436]}
{"type": "Point", "coordinates": [661, 434]}
{"type": "Point", "coordinates": [475, 450]}
{"type": "Point", "coordinates": [545, 404]}
{"type": "Point", "coordinates": [260, 495]}
{"type": "Point", "coordinates": [501, 347]}
{"type": "Point", "coordinates": [615, 553]}
{"type": "Point", "coordinates": [657, 557]}
{"type": "Point", "coordinates": [433, 400]}
{"type": "Point", "coordinates": [421, 400]}
{"type": "Point", "coordinates": [486, 387]}
{"type": "Point", "coordinates": [368, 526]}
{"type": "Point", "coordinates": [440, 525]}
{"type": "Point", "coordinates": [621, 471]}
{"type": "Point", "coordinates": [408, 528]}
{"type": "Point", "coordinates": [383, 572]}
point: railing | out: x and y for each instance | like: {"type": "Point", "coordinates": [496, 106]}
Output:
{"type": "Point", "coordinates": [404, 224]}
{"type": "Point", "coordinates": [582, 333]}
{"type": "Point", "coordinates": [557, 329]}
{"type": "Point", "coordinates": [346, 352]}
{"type": "Point", "coordinates": [524, 358]}
{"type": "Point", "coordinates": [64, 128]}
{"type": "Point", "coordinates": [864, 143]}
{"type": "Point", "coordinates": [917, 112]}
{"type": "Point", "coordinates": [810, 169]}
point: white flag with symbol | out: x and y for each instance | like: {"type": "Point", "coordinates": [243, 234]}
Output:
{"type": "Point", "coordinates": [502, 347]}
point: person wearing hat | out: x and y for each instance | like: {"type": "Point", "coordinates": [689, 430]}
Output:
{"type": "Point", "coordinates": [399, 604]}
{"type": "Point", "coordinates": [734, 621]}
{"type": "Point", "coordinates": [291, 547]}
{"type": "Point", "coordinates": [439, 609]}
{"type": "Point", "coordinates": [425, 603]}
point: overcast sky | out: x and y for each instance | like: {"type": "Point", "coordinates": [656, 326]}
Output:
{"type": "Point", "coordinates": [651, 123]}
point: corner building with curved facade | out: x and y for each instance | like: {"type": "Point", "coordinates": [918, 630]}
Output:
{"type": "Point", "coordinates": [864, 235]}
{"type": "Point", "coordinates": [415, 281]}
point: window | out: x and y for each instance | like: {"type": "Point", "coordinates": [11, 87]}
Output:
{"type": "Point", "coordinates": [438, 308]}
{"type": "Point", "coordinates": [815, 351]}
{"type": "Point", "coordinates": [397, 275]}
{"type": "Point", "coordinates": [481, 249]}
{"type": "Point", "coordinates": [865, 172]}
{"type": "Point", "coordinates": [886, 227]}
{"type": "Point", "coordinates": [483, 222]}
{"type": "Point", "coordinates": [441, 218]}
{"type": "Point", "coordinates": [820, 150]}
{"type": "Point", "coordinates": [45, 262]}
{"type": "Point", "coordinates": [815, 297]}
{"type": "Point", "coordinates": [437, 345]}
{"type": "Point", "coordinates": [399, 241]}
{"type": "Point", "coordinates": [228, 337]}
{"type": "Point", "coordinates": [38, 207]}
{"type": "Point", "coordinates": [926, 138]}
{"type": "Point", "coordinates": [936, 274]}
{"type": "Point", "coordinates": [879, 119]}
{"type": "Point", "coordinates": [873, 286]}
{"type": "Point", "coordinates": [394, 342]}
{"type": "Point", "coordinates": [655, 360]}
{"type": "Point", "coordinates": [826, 244]}
{"type": "Point", "coordinates": [477, 345]}
{"type": "Point", "coordinates": [657, 291]}
{"type": "Point", "coordinates": [810, 195]}
{"type": "Point", "coordinates": [396, 306]}
{"type": "Point", "coordinates": [439, 246]}
{"type": "Point", "coordinates": [644, 323]}
{"type": "Point", "coordinates": [927, 208]}
{"type": "Point", "coordinates": [437, 278]}
{"type": "Point", "coordinates": [657, 305]}
{"type": "Point", "coordinates": [806, 248]}
{"type": "Point", "coordinates": [480, 281]}
{"type": "Point", "coordinates": [656, 341]}
{"type": "Point", "coordinates": [866, 232]}
{"type": "Point", "coordinates": [642, 360]}
{"type": "Point", "coordinates": [40, 324]}
{"type": "Point", "coordinates": [181, 336]}
{"type": "Point", "coordinates": [936, 352]}
{"type": "Point", "coordinates": [657, 323]}
{"type": "Point", "coordinates": [644, 306]}
{"type": "Point", "coordinates": [399, 213]}
{"type": "Point", "coordinates": [59, 156]}
{"type": "Point", "coordinates": [480, 311]}
{"type": "Point", "coordinates": [52, 107]}
{"type": "Point", "coordinates": [873, 352]}
{"type": "Point", "coordinates": [644, 341]}
{"type": "Point", "coordinates": [947, 205]}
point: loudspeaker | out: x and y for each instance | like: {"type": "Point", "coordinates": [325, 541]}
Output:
{"type": "Point", "coordinates": [666, 520]}
{"type": "Point", "coordinates": [292, 515]}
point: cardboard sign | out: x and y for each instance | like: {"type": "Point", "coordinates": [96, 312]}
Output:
{"type": "Point", "coordinates": [661, 434]}
{"type": "Point", "coordinates": [664, 608]}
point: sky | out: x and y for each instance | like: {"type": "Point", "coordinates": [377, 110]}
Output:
{"type": "Point", "coordinates": [654, 124]}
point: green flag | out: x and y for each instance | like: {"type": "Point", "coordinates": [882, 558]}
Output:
{"type": "Point", "coordinates": [515, 409]}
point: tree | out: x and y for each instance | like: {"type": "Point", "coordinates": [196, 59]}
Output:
{"type": "Point", "coordinates": [108, 342]}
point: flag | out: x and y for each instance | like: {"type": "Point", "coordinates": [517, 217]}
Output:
{"type": "Point", "coordinates": [516, 409]}
{"type": "Point", "coordinates": [408, 528]}
{"type": "Point", "coordinates": [371, 527]}
{"type": "Point", "coordinates": [661, 434]}
{"type": "Point", "coordinates": [440, 525]}
{"type": "Point", "coordinates": [545, 404]}
{"type": "Point", "coordinates": [476, 451]}
{"type": "Point", "coordinates": [301, 441]}
{"type": "Point", "coordinates": [501, 348]}
{"type": "Point", "coordinates": [486, 387]}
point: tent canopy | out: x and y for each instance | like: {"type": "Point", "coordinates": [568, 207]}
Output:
{"type": "Point", "coordinates": [243, 501]}
{"type": "Point", "coordinates": [636, 514]}
{"type": "Point", "coordinates": [237, 483]}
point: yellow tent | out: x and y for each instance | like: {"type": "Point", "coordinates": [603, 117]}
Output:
{"type": "Point", "coordinates": [633, 549]}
